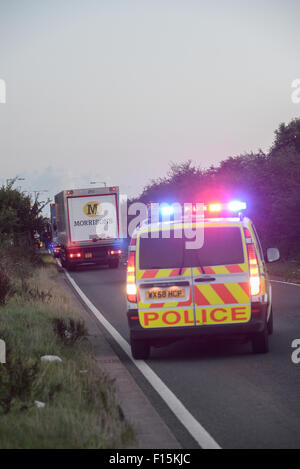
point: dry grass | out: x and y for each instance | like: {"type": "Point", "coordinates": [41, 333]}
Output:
{"type": "Point", "coordinates": [81, 410]}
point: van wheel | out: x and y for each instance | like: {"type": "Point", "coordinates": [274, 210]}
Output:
{"type": "Point", "coordinates": [270, 323]}
{"type": "Point", "coordinates": [260, 341]}
{"type": "Point", "coordinates": [140, 349]}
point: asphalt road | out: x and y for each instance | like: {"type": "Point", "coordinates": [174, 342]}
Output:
{"type": "Point", "coordinates": [242, 400]}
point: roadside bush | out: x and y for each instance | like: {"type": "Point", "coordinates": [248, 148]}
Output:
{"type": "Point", "coordinates": [70, 330]}
{"type": "Point", "coordinates": [16, 381]}
{"type": "Point", "coordinates": [29, 292]}
{"type": "Point", "coordinates": [5, 286]}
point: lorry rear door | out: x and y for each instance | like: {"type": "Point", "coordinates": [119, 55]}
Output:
{"type": "Point", "coordinates": [92, 217]}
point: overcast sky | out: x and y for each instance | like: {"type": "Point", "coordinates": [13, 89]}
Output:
{"type": "Point", "coordinates": [115, 90]}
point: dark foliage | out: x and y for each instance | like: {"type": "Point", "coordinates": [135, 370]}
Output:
{"type": "Point", "coordinates": [20, 217]}
{"type": "Point", "coordinates": [70, 330]}
{"type": "Point", "coordinates": [16, 380]}
{"type": "Point", "coordinates": [270, 183]}
{"type": "Point", "coordinates": [5, 286]}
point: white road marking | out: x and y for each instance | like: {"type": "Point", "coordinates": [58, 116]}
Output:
{"type": "Point", "coordinates": [199, 433]}
{"type": "Point", "coordinates": [287, 283]}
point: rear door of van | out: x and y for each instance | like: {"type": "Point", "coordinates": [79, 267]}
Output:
{"type": "Point", "coordinates": [164, 283]}
{"type": "Point", "coordinates": [220, 275]}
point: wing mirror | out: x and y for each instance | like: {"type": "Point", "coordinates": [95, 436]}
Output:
{"type": "Point", "coordinates": [273, 254]}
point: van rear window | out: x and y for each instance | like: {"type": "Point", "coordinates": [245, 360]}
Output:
{"type": "Point", "coordinates": [222, 245]}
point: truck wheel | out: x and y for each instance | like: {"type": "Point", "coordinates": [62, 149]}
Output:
{"type": "Point", "coordinates": [270, 323]}
{"type": "Point", "coordinates": [260, 341]}
{"type": "Point", "coordinates": [66, 264]}
{"type": "Point", "coordinates": [140, 349]}
{"type": "Point", "coordinates": [114, 263]}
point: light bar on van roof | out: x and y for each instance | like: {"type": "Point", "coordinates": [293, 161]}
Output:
{"type": "Point", "coordinates": [167, 210]}
{"type": "Point", "coordinates": [233, 206]}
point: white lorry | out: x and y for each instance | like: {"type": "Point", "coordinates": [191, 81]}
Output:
{"type": "Point", "coordinates": [88, 226]}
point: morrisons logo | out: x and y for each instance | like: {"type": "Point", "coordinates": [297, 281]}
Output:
{"type": "Point", "coordinates": [92, 209]}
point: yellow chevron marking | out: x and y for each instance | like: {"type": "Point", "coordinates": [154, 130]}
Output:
{"type": "Point", "coordinates": [163, 273]}
{"type": "Point", "coordinates": [210, 294]}
{"type": "Point", "coordinates": [220, 269]}
{"type": "Point", "coordinates": [237, 291]}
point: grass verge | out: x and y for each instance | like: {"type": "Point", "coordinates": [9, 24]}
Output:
{"type": "Point", "coordinates": [289, 271]}
{"type": "Point", "coordinates": [80, 407]}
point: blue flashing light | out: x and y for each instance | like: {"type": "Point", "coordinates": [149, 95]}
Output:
{"type": "Point", "coordinates": [236, 206]}
{"type": "Point", "coordinates": [167, 210]}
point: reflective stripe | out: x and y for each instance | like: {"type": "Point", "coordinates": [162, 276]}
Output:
{"type": "Point", "coordinates": [224, 293]}
{"type": "Point", "coordinates": [148, 273]}
{"type": "Point", "coordinates": [221, 293]}
{"type": "Point", "coordinates": [210, 294]}
{"type": "Point", "coordinates": [222, 269]}
{"type": "Point", "coordinates": [218, 269]}
{"type": "Point", "coordinates": [162, 273]}
{"type": "Point", "coordinates": [239, 291]}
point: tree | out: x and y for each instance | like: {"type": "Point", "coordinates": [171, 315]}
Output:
{"type": "Point", "coordinates": [19, 218]}
{"type": "Point", "coordinates": [287, 136]}
{"type": "Point", "coordinates": [270, 183]}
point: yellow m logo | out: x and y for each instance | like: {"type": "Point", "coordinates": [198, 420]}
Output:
{"type": "Point", "coordinates": [92, 209]}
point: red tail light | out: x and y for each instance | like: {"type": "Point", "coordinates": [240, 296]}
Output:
{"type": "Point", "coordinates": [255, 284]}
{"type": "Point", "coordinates": [131, 285]}
{"type": "Point", "coordinates": [119, 251]}
{"type": "Point", "coordinates": [74, 255]}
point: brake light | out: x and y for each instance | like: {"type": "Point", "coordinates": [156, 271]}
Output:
{"type": "Point", "coordinates": [115, 252]}
{"type": "Point", "coordinates": [74, 255]}
{"type": "Point", "coordinates": [255, 284]}
{"type": "Point", "coordinates": [131, 285]}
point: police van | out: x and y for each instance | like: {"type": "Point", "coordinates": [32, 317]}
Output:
{"type": "Point", "coordinates": [221, 288]}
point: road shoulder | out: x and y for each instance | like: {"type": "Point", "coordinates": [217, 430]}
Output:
{"type": "Point", "coordinates": [151, 431]}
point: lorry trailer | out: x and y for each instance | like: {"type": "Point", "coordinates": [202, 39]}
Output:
{"type": "Point", "coordinates": [88, 226]}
